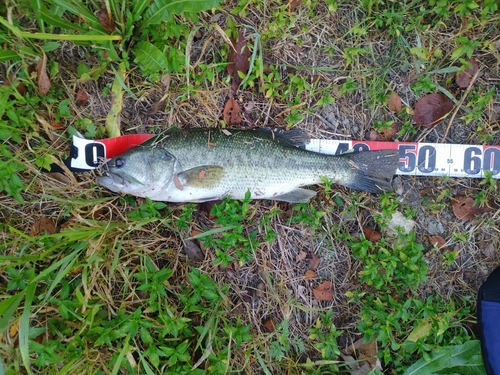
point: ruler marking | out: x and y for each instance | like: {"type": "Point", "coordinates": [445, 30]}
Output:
{"type": "Point", "coordinates": [426, 159]}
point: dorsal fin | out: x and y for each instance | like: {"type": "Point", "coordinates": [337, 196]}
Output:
{"type": "Point", "coordinates": [293, 137]}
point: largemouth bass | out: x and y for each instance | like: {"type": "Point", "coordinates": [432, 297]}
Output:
{"type": "Point", "coordinates": [199, 165]}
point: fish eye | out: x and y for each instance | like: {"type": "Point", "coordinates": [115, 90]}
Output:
{"type": "Point", "coordinates": [119, 163]}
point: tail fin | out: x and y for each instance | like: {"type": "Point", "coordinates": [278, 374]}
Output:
{"type": "Point", "coordinates": [371, 171]}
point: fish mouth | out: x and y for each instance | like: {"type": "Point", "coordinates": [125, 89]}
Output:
{"type": "Point", "coordinates": [118, 182]}
{"type": "Point", "coordinates": [112, 182]}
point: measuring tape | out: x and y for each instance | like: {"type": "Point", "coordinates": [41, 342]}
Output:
{"type": "Point", "coordinates": [415, 159]}
{"type": "Point", "coordinates": [425, 159]}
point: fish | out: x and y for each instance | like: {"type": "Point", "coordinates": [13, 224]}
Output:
{"type": "Point", "coordinates": [200, 164]}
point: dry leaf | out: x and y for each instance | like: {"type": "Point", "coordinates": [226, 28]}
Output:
{"type": "Point", "coordinates": [311, 275]}
{"type": "Point", "coordinates": [232, 112]}
{"type": "Point", "coordinates": [371, 234]}
{"type": "Point", "coordinates": [57, 125]}
{"type": "Point", "coordinates": [384, 135]}
{"type": "Point", "coordinates": [464, 209]}
{"type": "Point", "coordinates": [464, 78]}
{"type": "Point", "coordinates": [239, 60]}
{"type": "Point", "coordinates": [42, 225]}
{"type": "Point", "coordinates": [394, 103]}
{"type": "Point", "coordinates": [76, 271]}
{"type": "Point", "coordinates": [14, 329]}
{"type": "Point", "coordinates": [193, 251]}
{"type": "Point", "coordinates": [366, 354]}
{"type": "Point", "coordinates": [374, 135]}
{"type": "Point", "coordinates": [324, 291]}
{"type": "Point", "coordinates": [81, 97]}
{"type": "Point", "coordinates": [106, 21]}
{"type": "Point", "coordinates": [487, 248]}
{"type": "Point", "coordinates": [165, 81]}
{"type": "Point", "coordinates": [438, 241]}
{"type": "Point", "coordinates": [20, 86]}
{"type": "Point", "coordinates": [43, 76]}
{"type": "Point", "coordinates": [431, 109]}
{"type": "Point", "coordinates": [301, 256]}
{"type": "Point", "coordinates": [314, 260]}
{"type": "Point", "coordinates": [207, 207]}
{"type": "Point", "coordinates": [270, 325]}
{"type": "Point", "coordinates": [294, 4]}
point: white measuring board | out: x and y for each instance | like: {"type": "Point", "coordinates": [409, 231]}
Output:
{"type": "Point", "coordinates": [425, 159]}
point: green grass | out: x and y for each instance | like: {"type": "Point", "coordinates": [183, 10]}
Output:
{"type": "Point", "coordinates": [108, 289]}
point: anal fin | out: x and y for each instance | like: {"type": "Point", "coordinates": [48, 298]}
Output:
{"type": "Point", "coordinates": [298, 195]}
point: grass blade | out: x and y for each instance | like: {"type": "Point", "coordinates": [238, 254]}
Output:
{"type": "Point", "coordinates": [113, 118]}
{"type": "Point", "coordinates": [210, 232]}
{"type": "Point", "coordinates": [77, 8]}
{"type": "Point", "coordinates": [125, 349]}
{"type": "Point", "coordinates": [24, 326]}
{"type": "Point", "coordinates": [36, 5]}
{"type": "Point", "coordinates": [139, 7]}
{"type": "Point", "coordinates": [7, 309]}
{"type": "Point", "coordinates": [56, 21]}
{"type": "Point", "coordinates": [6, 55]}
{"type": "Point", "coordinates": [465, 358]}
{"type": "Point", "coordinates": [67, 265]}
{"type": "Point", "coordinates": [162, 10]}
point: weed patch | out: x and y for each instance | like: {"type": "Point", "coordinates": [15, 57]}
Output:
{"type": "Point", "coordinates": [99, 283]}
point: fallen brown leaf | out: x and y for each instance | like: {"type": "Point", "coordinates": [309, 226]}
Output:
{"type": "Point", "coordinates": [311, 275]}
{"type": "Point", "coordinates": [232, 112]}
{"type": "Point", "coordinates": [394, 103]}
{"type": "Point", "coordinates": [384, 135]}
{"type": "Point", "coordinates": [76, 271]}
{"type": "Point", "coordinates": [207, 207]}
{"type": "Point", "coordinates": [269, 325]}
{"type": "Point", "coordinates": [42, 225]}
{"type": "Point", "coordinates": [487, 248]}
{"type": "Point", "coordinates": [364, 352]}
{"type": "Point", "coordinates": [19, 85]}
{"type": "Point", "coordinates": [431, 109]}
{"type": "Point", "coordinates": [106, 21]}
{"type": "Point", "coordinates": [81, 97]}
{"type": "Point", "coordinates": [165, 81]}
{"type": "Point", "coordinates": [239, 60]}
{"type": "Point", "coordinates": [301, 256]}
{"type": "Point", "coordinates": [14, 328]}
{"type": "Point", "coordinates": [57, 125]}
{"type": "Point", "coordinates": [438, 241]}
{"type": "Point", "coordinates": [464, 78]}
{"type": "Point", "coordinates": [324, 291]}
{"type": "Point", "coordinates": [371, 234]}
{"type": "Point", "coordinates": [294, 4]}
{"type": "Point", "coordinates": [314, 260]}
{"type": "Point", "coordinates": [464, 209]}
{"type": "Point", "coordinates": [43, 76]}
{"type": "Point", "coordinates": [374, 135]}
{"type": "Point", "coordinates": [193, 251]}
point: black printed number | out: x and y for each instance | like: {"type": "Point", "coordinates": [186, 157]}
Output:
{"type": "Point", "coordinates": [94, 152]}
{"type": "Point", "coordinates": [490, 160]}
{"type": "Point", "coordinates": [409, 158]}
{"type": "Point", "coordinates": [426, 159]}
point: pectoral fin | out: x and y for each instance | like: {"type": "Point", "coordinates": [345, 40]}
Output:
{"type": "Point", "coordinates": [298, 195]}
{"type": "Point", "coordinates": [204, 177]}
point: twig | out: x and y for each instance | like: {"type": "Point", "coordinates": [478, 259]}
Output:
{"type": "Point", "coordinates": [472, 81]}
